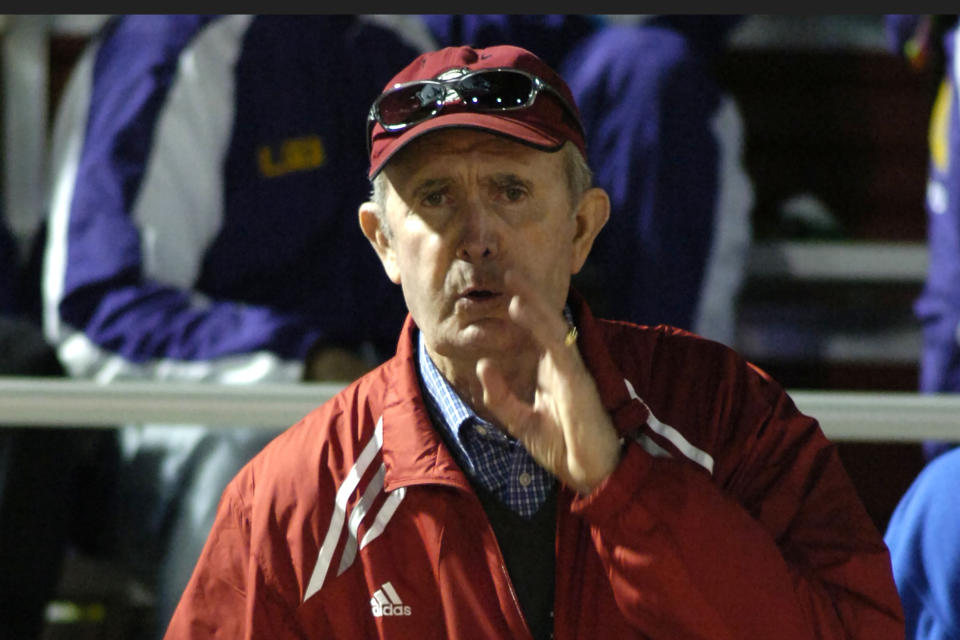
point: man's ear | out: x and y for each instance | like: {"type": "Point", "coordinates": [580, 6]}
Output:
{"type": "Point", "coordinates": [590, 216]}
{"type": "Point", "coordinates": [373, 224]}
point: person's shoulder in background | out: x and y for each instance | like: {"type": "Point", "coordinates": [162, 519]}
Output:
{"type": "Point", "coordinates": [924, 541]}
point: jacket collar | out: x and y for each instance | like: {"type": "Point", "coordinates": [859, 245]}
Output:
{"type": "Point", "coordinates": [627, 414]}
{"type": "Point", "coordinates": [412, 449]}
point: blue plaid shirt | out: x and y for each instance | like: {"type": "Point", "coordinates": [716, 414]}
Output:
{"type": "Point", "coordinates": [492, 458]}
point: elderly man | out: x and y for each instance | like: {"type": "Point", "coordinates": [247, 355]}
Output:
{"type": "Point", "coordinates": [520, 468]}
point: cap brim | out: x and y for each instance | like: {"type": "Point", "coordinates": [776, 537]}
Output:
{"type": "Point", "coordinates": [499, 123]}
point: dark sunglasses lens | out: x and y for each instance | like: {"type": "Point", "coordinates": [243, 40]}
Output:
{"type": "Point", "coordinates": [408, 105]}
{"type": "Point", "coordinates": [496, 89]}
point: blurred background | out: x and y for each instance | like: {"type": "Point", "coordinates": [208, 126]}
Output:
{"type": "Point", "coordinates": [835, 142]}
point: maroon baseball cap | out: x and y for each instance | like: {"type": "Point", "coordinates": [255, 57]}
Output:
{"type": "Point", "coordinates": [546, 124]}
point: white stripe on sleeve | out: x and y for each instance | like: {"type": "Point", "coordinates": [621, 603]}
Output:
{"type": "Point", "coordinates": [696, 455]}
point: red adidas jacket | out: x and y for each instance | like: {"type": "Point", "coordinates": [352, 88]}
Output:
{"type": "Point", "coordinates": [730, 516]}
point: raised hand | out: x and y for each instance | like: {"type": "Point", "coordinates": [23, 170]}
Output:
{"type": "Point", "coordinates": [565, 428]}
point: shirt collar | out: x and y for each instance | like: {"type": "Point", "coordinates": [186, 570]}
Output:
{"type": "Point", "coordinates": [440, 395]}
{"type": "Point", "coordinates": [453, 411]}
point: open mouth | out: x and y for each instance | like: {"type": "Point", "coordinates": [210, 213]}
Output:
{"type": "Point", "coordinates": [481, 294]}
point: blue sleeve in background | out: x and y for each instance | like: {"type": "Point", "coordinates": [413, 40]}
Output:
{"type": "Point", "coordinates": [922, 536]}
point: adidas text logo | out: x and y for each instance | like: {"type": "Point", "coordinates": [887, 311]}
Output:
{"type": "Point", "coordinates": [386, 602]}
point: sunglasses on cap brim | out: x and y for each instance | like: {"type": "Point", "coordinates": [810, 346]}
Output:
{"type": "Point", "coordinates": [482, 91]}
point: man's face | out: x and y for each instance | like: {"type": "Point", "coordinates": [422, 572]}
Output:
{"type": "Point", "coordinates": [464, 207]}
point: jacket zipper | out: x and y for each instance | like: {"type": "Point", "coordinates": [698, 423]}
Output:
{"type": "Point", "coordinates": [513, 593]}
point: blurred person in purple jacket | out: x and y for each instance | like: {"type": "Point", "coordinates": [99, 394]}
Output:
{"type": "Point", "coordinates": [930, 42]}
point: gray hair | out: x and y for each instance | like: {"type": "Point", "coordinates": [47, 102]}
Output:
{"type": "Point", "coordinates": [579, 175]}
{"type": "Point", "coordinates": [579, 180]}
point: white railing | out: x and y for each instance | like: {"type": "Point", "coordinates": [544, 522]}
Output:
{"type": "Point", "coordinates": [861, 261]}
{"type": "Point", "coordinates": [857, 416]}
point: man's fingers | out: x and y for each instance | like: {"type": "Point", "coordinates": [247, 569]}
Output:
{"type": "Point", "coordinates": [509, 410]}
{"type": "Point", "coordinates": [530, 310]}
